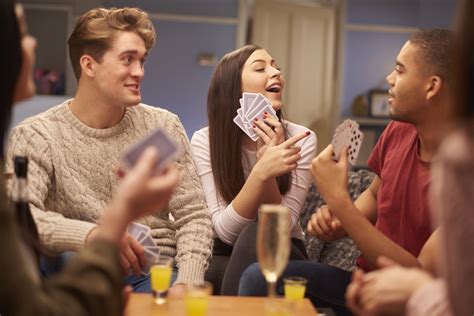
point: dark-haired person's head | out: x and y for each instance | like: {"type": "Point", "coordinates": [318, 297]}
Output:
{"type": "Point", "coordinates": [16, 63]}
{"type": "Point", "coordinates": [422, 75]}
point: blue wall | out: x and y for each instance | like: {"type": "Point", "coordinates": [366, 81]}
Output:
{"type": "Point", "coordinates": [173, 78]}
{"type": "Point", "coordinates": [227, 8]}
{"type": "Point", "coordinates": [370, 56]}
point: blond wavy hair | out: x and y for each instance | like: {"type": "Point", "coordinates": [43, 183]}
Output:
{"type": "Point", "coordinates": [95, 30]}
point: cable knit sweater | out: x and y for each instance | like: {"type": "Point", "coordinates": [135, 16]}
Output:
{"type": "Point", "coordinates": [72, 178]}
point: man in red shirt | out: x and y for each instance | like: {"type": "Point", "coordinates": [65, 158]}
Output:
{"type": "Point", "coordinates": [391, 218]}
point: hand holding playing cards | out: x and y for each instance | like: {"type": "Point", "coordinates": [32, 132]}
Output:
{"type": "Point", "coordinates": [325, 226]}
{"type": "Point", "coordinates": [331, 176]}
{"type": "Point", "coordinates": [144, 191]}
{"type": "Point", "coordinates": [281, 158]}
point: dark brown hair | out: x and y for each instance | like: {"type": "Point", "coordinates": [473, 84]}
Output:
{"type": "Point", "coordinates": [94, 32]}
{"type": "Point", "coordinates": [225, 137]}
{"type": "Point", "coordinates": [10, 66]}
{"type": "Point", "coordinates": [435, 51]}
{"type": "Point", "coordinates": [464, 62]}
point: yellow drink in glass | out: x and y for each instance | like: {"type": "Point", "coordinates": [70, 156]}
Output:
{"type": "Point", "coordinates": [160, 277]}
{"type": "Point", "coordinates": [295, 288]}
{"type": "Point", "coordinates": [196, 299]}
{"type": "Point", "coordinates": [294, 291]}
{"type": "Point", "coordinates": [196, 305]}
{"type": "Point", "coordinates": [161, 272]}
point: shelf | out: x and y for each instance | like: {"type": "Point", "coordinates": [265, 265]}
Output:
{"type": "Point", "coordinates": [370, 121]}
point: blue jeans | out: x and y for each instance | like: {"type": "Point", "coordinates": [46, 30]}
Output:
{"type": "Point", "coordinates": [52, 265]}
{"type": "Point", "coordinates": [326, 284]}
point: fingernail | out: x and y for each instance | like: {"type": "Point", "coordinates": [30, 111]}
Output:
{"type": "Point", "coordinates": [265, 113]}
{"type": "Point", "coordinates": [255, 119]}
{"type": "Point", "coordinates": [254, 126]}
{"type": "Point", "coordinates": [307, 133]}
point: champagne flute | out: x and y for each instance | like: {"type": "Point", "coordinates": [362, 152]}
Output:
{"type": "Point", "coordinates": [273, 242]}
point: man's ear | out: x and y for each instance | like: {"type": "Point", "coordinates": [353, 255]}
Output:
{"type": "Point", "coordinates": [88, 65]}
{"type": "Point", "coordinates": [433, 87]}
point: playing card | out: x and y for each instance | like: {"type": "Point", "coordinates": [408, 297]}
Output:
{"type": "Point", "coordinates": [135, 229]}
{"type": "Point", "coordinates": [356, 139]}
{"type": "Point", "coordinates": [249, 115]}
{"type": "Point", "coordinates": [248, 99]}
{"type": "Point", "coordinates": [148, 241]}
{"type": "Point", "coordinates": [340, 140]}
{"type": "Point", "coordinates": [261, 113]}
{"type": "Point", "coordinates": [239, 112]}
{"type": "Point", "coordinates": [141, 236]}
{"type": "Point", "coordinates": [252, 105]}
{"type": "Point", "coordinates": [249, 131]}
{"type": "Point", "coordinates": [149, 258]}
{"type": "Point", "coordinates": [347, 135]}
{"type": "Point", "coordinates": [155, 250]}
{"type": "Point", "coordinates": [166, 147]}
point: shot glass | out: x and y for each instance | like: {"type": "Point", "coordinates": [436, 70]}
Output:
{"type": "Point", "coordinates": [294, 288]}
{"type": "Point", "coordinates": [161, 271]}
{"type": "Point", "coordinates": [196, 299]}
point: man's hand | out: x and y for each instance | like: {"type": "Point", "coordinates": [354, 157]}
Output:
{"type": "Point", "coordinates": [353, 292]}
{"type": "Point", "coordinates": [177, 290]}
{"type": "Point", "coordinates": [331, 176]}
{"type": "Point", "coordinates": [386, 291]}
{"type": "Point", "coordinates": [325, 226]}
{"type": "Point", "coordinates": [132, 253]}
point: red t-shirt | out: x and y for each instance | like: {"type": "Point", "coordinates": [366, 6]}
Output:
{"type": "Point", "coordinates": [402, 200]}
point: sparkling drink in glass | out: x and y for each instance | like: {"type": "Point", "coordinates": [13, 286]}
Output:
{"type": "Point", "coordinates": [273, 242]}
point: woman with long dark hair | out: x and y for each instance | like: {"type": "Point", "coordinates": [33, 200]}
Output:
{"type": "Point", "coordinates": [92, 284]}
{"type": "Point", "coordinates": [239, 174]}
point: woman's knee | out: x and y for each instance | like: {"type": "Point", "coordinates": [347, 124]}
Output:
{"type": "Point", "coordinates": [252, 282]}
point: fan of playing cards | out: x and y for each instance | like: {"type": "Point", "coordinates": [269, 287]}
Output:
{"type": "Point", "coordinates": [167, 149]}
{"type": "Point", "coordinates": [347, 135]}
{"type": "Point", "coordinates": [252, 106]}
{"type": "Point", "coordinates": [142, 234]}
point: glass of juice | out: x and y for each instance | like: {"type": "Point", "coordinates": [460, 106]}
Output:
{"type": "Point", "coordinates": [196, 299]}
{"type": "Point", "coordinates": [161, 271]}
{"type": "Point", "coordinates": [294, 287]}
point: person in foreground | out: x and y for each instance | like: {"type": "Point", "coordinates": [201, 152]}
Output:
{"type": "Point", "coordinates": [398, 290]}
{"type": "Point", "coordinates": [392, 217]}
{"type": "Point", "coordinates": [92, 282]}
{"type": "Point", "coordinates": [75, 148]}
{"type": "Point", "coordinates": [239, 174]}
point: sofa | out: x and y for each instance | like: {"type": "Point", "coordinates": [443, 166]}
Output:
{"type": "Point", "coordinates": [341, 253]}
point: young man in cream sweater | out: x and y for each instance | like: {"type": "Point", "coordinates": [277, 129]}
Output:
{"type": "Point", "coordinates": [75, 147]}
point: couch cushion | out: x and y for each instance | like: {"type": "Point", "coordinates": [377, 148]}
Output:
{"type": "Point", "coordinates": [341, 253]}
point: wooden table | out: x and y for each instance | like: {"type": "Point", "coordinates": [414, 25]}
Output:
{"type": "Point", "coordinates": [143, 305]}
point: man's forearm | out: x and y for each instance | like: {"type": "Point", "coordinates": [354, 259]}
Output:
{"type": "Point", "coordinates": [369, 239]}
